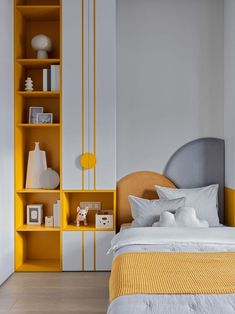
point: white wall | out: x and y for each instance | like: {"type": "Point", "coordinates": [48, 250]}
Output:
{"type": "Point", "coordinates": [6, 141]}
{"type": "Point", "coordinates": [170, 78]}
{"type": "Point", "coordinates": [229, 92]}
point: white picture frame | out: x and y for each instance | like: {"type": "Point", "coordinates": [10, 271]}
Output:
{"type": "Point", "coordinates": [44, 118]}
{"type": "Point", "coordinates": [33, 111]}
{"type": "Point", "coordinates": [34, 214]}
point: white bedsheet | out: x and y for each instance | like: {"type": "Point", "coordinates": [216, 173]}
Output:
{"type": "Point", "coordinates": [218, 239]}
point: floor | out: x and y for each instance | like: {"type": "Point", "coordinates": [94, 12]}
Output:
{"type": "Point", "coordinates": [44, 293]}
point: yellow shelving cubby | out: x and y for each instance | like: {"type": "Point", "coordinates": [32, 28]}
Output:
{"type": "Point", "coordinates": [72, 199]}
{"type": "Point", "coordinates": [37, 248]}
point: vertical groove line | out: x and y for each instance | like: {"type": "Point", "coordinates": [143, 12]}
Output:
{"type": "Point", "coordinates": [94, 31]}
{"type": "Point", "coordinates": [83, 253]}
{"type": "Point", "coordinates": [83, 96]}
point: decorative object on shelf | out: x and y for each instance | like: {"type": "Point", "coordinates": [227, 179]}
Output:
{"type": "Point", "coordinates": [33, 111]}
{"type": "Point", "coordinates": [37, 163]}
{"type": "Point", "coordinates": [56, 214]}
{"type": "Point", "coordinates": [42, 44]}
{"type": "Point", "coordinates": [81, 216]}
{"type": "Point", "coordinates": [34, 214]}
{"type": "Point", "coordinates": [44, 118]}
{"type": "Point", "coordinates": [49, 179]}
{"type": "Point", "coordinates": [88, 160]}
{"type": "Point", "coordinates": [91, 205]}
{"type": "Point", "coordinates": [49, 222]}
{"type": "Point", "coordinates": [104, 219]}
{"type": "Point", "coordinates": [28, 84]}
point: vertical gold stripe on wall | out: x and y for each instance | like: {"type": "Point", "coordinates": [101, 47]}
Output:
{"type": "Point", "coordinates": [83, 92]}
{"type": "Point", "coordinates": [94, 31]}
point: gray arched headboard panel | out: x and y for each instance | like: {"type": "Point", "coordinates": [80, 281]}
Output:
{"type": "Point", "coordinates": [199, 163]}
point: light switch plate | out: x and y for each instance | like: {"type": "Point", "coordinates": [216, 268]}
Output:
{"type": "Point", "coordinates": [91, 205]}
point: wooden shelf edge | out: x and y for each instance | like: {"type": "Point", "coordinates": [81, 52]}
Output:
{"type": "Point", "coordinates": [89, 191]}
{"type": "Point", "coordinates": [22, 191]}
{"type": "Point", "coordinates": [49, 125]}
{"type": "Point", "coordinates": [38, 94]}
{"type": "Point", "coordinates": [40, 228]}
{"type": "Point", "coordinates": [40, 266]}
{"type": "Point", "coordinates": [86, 228]}
{"type": "Point", "coordinates": [37, 63]}
{"type": "Point", "coordinates": [37, 6]}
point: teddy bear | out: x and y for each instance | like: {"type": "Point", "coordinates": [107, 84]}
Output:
{"type": "Point", "coordinates": [81, 216]}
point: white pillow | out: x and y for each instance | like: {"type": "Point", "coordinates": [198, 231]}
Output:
{"type": "Point", "coordinates": [146, 212]}
{"type": "Point", "coordinates": [204, 200]}
{"type": "Point", "coordinates": [184, 217]}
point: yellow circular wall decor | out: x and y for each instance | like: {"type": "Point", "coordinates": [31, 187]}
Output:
{"type": "Point", "coordinates": [88, 160]}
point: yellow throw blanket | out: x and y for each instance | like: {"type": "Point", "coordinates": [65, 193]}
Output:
{"type": "Point", "coordinates": [172, 273]}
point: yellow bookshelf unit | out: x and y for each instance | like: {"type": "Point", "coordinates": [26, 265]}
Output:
{"type": "Point", "coordinates": [37, 248]}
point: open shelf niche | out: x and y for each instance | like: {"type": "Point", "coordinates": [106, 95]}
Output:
{"type": "Point", "coordinates": [72, 199]}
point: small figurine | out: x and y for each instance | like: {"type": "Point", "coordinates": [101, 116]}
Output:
{"type": "Point", "coordinates": [81, 216]}
{"type": "Point", "coordinates": [28, 85]}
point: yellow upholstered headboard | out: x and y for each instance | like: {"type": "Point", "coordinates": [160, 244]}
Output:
{"type": "Point", "coordinates": [139, 184]}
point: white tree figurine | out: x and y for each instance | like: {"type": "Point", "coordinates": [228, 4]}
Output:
{"type": "Point", "coordinates": [28, 84]}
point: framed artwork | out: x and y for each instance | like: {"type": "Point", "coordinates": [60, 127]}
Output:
{"type": "Point", "coordinates": [33, 111]}
{"type": "Point", "coordinates": [35, 214]}
{"type": "Point", "coordinates": [44, 118]}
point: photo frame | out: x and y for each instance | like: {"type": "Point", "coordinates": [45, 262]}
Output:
{"type": "Point", "coordinates": [44, 118]}
{"type": "Point", "coordinates": [33, 111]}
{"type": "Point", "coordinates": [34, 214]}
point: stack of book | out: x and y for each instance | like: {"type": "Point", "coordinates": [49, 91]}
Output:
{"type": "Point", "coordinates": [51, 79]}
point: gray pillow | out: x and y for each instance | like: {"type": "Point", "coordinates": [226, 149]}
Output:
{"type": "Point", "coordinates": [146, 212]}
{"type": "Point", "coordinates": [204, 200]}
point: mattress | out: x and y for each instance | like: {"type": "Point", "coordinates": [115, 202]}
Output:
{"type": "Point", "coordinates": [219, 239]}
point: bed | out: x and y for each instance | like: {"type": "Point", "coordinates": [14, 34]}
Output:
{"type": "Point", "coordinates": [172, 249]}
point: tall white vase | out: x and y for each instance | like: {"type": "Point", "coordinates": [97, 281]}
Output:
{"type": "Point", "coordinates": [37, 163]}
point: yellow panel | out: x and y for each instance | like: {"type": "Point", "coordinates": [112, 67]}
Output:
{"type": "Point", "coordinates": [40, 12]}
{"type": "Point", "coordinates": [40, 266]}
{"type": "Point", "coordinates": [38, 2]}
{"type": "Point", "coordinates": [230, 207]}
{"type": "Point", "coordinates": [20, 249]}
{"type": "Point", "coordinates": [43, 245]}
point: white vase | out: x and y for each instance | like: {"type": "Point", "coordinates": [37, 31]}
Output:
{"type": "Point", "coordinates": [49, 179]}
{"type": "Point", "coordinates": [37, 163]}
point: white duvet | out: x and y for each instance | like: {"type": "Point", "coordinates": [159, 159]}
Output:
{"type": "Point", "coordinates": [217, 239]}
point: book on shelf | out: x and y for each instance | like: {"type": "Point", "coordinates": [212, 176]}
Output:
{"type": "Point", "coordinates": [46, 80]}
{"type": "Point", "coordinates": [56, 214]}
{"type": "Point", "coordinates": [51, 79]}
{"type": "Point", "coordinates": [55, 78]}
